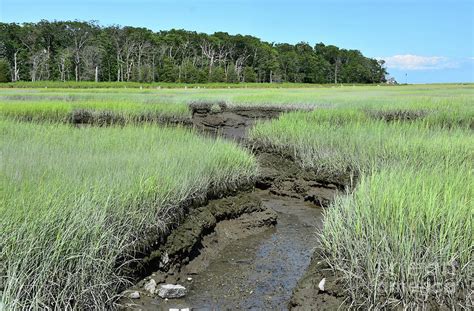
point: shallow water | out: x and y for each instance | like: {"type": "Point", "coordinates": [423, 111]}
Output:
{"type": "Point", "coordinates": [257, 272]}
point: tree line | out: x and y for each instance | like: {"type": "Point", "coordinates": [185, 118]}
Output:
{"type": "Point", "coordinates": [87, 51]}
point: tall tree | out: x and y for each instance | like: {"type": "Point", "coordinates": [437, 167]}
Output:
{"type": "Point", "coordinates": [65, 50]}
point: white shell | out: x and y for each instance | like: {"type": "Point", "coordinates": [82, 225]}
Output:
{"type": "Point", "coordinates": [321, 284]}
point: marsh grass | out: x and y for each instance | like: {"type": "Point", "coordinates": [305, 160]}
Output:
{"type": "Point", "coordinates": [404, 236]}
{"type": "Point", "coordinates": [63, 111]}
{"type": "Point", "coordinates": [451, 105]}
{"type": "Point", "coordinates": [76, 200]}
{"type": "Point", "coordinates": [342, 141]}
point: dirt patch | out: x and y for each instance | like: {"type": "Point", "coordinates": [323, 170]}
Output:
{"type": "Point", "coordinates": [308, 296]}
{"type": "Point", "coordinates": [211, 118]}
{"type": "Point", "coordinates": [230, 122]}
{"type": "Point", "coordinates": [283, 177]}
{"type": "Point", "coordinates": [205, 231]}
{"type": "Point", "coordinates": [185, 241]}
{"type": "Point", "coordinates": [230, 253]}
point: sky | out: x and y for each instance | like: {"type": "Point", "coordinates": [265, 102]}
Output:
{"type": "Point", "coordinates": [422, 41]}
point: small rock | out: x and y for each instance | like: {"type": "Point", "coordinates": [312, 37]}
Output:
{"type": "Point", "coordinates": [321, 284]}
{"type": "Point", "coordinates": [150, 286]}
{"type": "Point", "coordinates": [190, 279]}
{"type": "Point", "coordinates": [171, 291]}
{"type": "Point", "coordinates": [134, 295]}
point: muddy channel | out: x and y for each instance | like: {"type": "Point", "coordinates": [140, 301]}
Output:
{"type": "Point", "coordinates": [241, 252]}
{"type": "Point", "coordinates": [246, 265]}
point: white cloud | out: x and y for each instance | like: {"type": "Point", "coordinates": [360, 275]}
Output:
{"type": "Point", "coordinates": [417, 62]}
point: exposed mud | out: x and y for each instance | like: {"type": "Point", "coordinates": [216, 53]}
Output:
{"type": "Point", "coordinates": [308, 296]}
{"type": "Point", "coordinates": [246, 251]}
{"type": "Point", "coordinates": [283, 177]}
{"type": "Point", "coordinates": [186, 241]}
{"type": "Point", "coordinates": [81, 117]}
{"type": "Point", "coordinates": [230, 122]}
{"type": "Point", "coordinates": [242, 265]}
{"type": "Point", "coordinates": [211, 118]}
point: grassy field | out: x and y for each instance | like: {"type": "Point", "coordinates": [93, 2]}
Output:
{"type": "Point", "coordinates": [447, 101]}
{"type": "Point", "coordinates": [404, 236]}
{"type": "Point", "coordinates": [76, 199]}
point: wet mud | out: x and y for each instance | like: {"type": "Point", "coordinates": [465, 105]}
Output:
{"type": "Point", "coordinates": [243, 252]}
{"type": "Point", "coordinates": [246, 263]}
{"type": "Point", "coordinates": [230, 122]}
{"type": "Point", "coordinates": [249, 251]}
{"type": "Point", "coordinates": [308, 296]}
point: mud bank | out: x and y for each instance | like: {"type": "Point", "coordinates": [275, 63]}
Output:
{"type": "Point", "coordinates": [211, 118]}
{"type": "Point", "coordinates": [308, 296]}
{"type": "Point", "coordinates": [245, 263]}
{"type": "Point", "coordinates": [229, 121]}
{"type": "Point", "coordinates": [186, 241]}
{"type": "Point", "coordinates": [250, 250]}
{"type": "Point", "coordinates": [283, 177]}
{"type": "Point", "coordinates": [246, 251]}
{"type": "Point", "coordinates": [81, 117]}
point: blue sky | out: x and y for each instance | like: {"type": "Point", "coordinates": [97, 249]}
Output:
{"type": "Point", "coordinates": [428, 40]}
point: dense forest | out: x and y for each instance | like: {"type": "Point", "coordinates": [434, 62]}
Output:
{"type": "Point", "coordinates": [86, 51]}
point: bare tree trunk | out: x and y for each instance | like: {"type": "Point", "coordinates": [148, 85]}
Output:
{"type": "Point", "coordinates": [96, 73]}
{"type": "Point", "coordinates": [118, 70]}
{"type": "Point", "coordinates": [119, 63]}
{"type": "Point", "coordinates": [16, 75]}
{"type": "Point", "coordinates": [139, 63]}
{"type": "Point", "coordinates": [77, 59]}
{"type": "Point", "coordinates": [62, 73]}
{"type": "Point", "coordinates": [153, 68]}
{"type": "Point", "coordinates": [34, 68]}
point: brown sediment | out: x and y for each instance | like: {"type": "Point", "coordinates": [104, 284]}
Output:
{"type": "Point", "coordinates": [282, 176]}
{"type": "Point", "coordinates": [219, 244]}
{"type": "Point", "coordinates": [185, 242]}
{"type": "Point", "coordinates": [81, 117]}
{"type": "Point", "coordinates": [231, 122]}
{"type": "Point", "coordinates": [246, 250]}
{"type": "Point", "coordinates": [242, 265]}
{"type": "Point", "coordinates": [308, 296]}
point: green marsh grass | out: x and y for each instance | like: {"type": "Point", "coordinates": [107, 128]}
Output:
{"type": "Point", "coordinates": [76, 200]}
{"type": "Point", "coordinates": [451, 104]}
{"type": "Point", "coordinates": [404, 236]}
